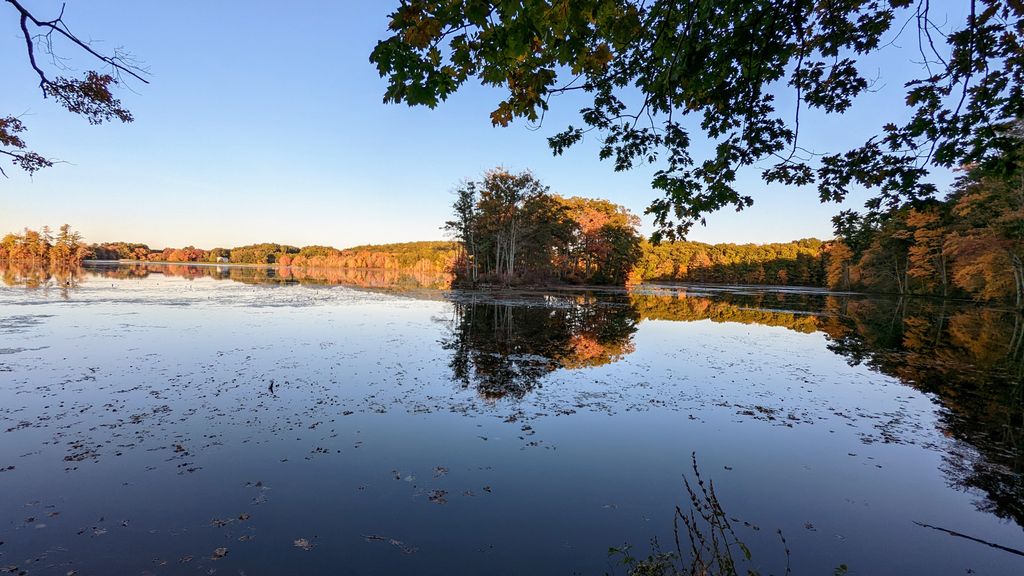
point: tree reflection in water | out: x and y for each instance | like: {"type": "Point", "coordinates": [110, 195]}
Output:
{"type": "Point", "coordinates": [969, 358]}
{"type": "Point", "coordinates": [35, 277]}
{"type": "Point", "coordinates": [503, 349]}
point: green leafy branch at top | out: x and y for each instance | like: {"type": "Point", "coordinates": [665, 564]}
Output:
{"type": "Point", "coordinates": [718, 68]}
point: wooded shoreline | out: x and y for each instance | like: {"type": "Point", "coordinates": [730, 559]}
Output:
{"type": "Point", "coordinates": [511, 230]}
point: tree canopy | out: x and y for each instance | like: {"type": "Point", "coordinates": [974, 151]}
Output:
{"type": "Point", "coordinates": [661, 73]}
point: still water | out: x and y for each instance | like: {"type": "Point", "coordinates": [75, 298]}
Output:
{"type": "Point", "coordinates": [194, 420]}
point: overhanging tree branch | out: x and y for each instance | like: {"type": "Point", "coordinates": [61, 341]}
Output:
{"type": "Point", "coordinates": [720, 67]}
{"type": "Point", "coordinates": [90, 96]}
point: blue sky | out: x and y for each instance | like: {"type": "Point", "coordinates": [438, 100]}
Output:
{"type": "Point", "coordinates": [264, 122]}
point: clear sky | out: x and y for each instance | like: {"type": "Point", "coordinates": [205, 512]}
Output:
{"type": "Point", "coordinates": [264, 122]}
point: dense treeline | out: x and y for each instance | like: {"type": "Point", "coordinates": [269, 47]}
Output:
{"type": "Point", "coordinates": [512, 229]}
{"type": "Point", "coordinates": [798, 263]}
{"type": "Point", "coordinates": [428, 256]}
{"type": "Point", "coordinates": [969, 244]}
{"type": "Point", "coordinates": [42, 247]}
{"type": "Point", "coordinates": [265, 253]}
{"type": "Point", "coordinates": [436, 257]}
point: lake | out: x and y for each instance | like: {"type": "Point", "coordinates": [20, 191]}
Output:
{"type": "Point", "coordinates": [172, 419]}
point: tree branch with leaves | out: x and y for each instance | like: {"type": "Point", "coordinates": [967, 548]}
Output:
{"type": "Point", "coordinates": [663, 73]}
{"type": "Point", "coordinates": [90, 96]}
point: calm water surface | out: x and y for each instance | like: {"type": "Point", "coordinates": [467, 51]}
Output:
{"type": "Point", "coordinates": [151, 415]}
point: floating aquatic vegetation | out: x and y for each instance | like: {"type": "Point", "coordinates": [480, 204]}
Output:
{"type": "Point", "coordinates": [396, 543]}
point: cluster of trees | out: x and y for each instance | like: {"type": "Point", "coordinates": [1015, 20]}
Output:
{"type": "Point", "coordinates": [121, 251]}
{"type": "Point", "coordinates": [43, 247]}
{"type": "Point", "coordinates": [263, 253]}
{"type": "Point", "coordinates": [798, 263]}
{"type": "Point", "coordinates": [510, 229]}
{"type": "Point", "coordinates": [969, 244]}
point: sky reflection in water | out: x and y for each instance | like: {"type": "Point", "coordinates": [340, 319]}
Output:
{"type": "Point", "coordinates": [418, 430]}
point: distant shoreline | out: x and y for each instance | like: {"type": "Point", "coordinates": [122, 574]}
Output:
{"type": "Point", "coordinates": [207, 264]}
{"type": "Point", "coordinates": [243, 265]}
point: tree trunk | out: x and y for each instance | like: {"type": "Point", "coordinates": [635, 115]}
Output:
{"type": "Point", "coordinates": [512, 249]}
{"type": "Point", "coordinates": [897, 276]}
{"type": "Point", "coordinates": [942, 274]}
{"type": "Point", "coordinates": [1018, 277]}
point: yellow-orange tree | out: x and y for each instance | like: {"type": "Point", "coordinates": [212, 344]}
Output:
{"type": "Point", "coordinates": [970, 244]}
{"type": "Point", "coordinates": [41, 247]}
{"type": "Point", "coordinates": [988, 243]}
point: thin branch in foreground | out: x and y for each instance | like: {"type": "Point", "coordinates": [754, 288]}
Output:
{"type": "Point", "coordinates": [972, 538]}
{"type": "Point", "coordinates": [117, 62]}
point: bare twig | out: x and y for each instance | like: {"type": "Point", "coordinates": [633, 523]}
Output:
{"type": "Point", "coordinates": [972, 538]}
{"type": "Point", "coordinates": [118, 62]}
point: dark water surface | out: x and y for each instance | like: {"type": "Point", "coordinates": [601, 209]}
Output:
{"type": "Point", "coordinates": [411, 430]}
